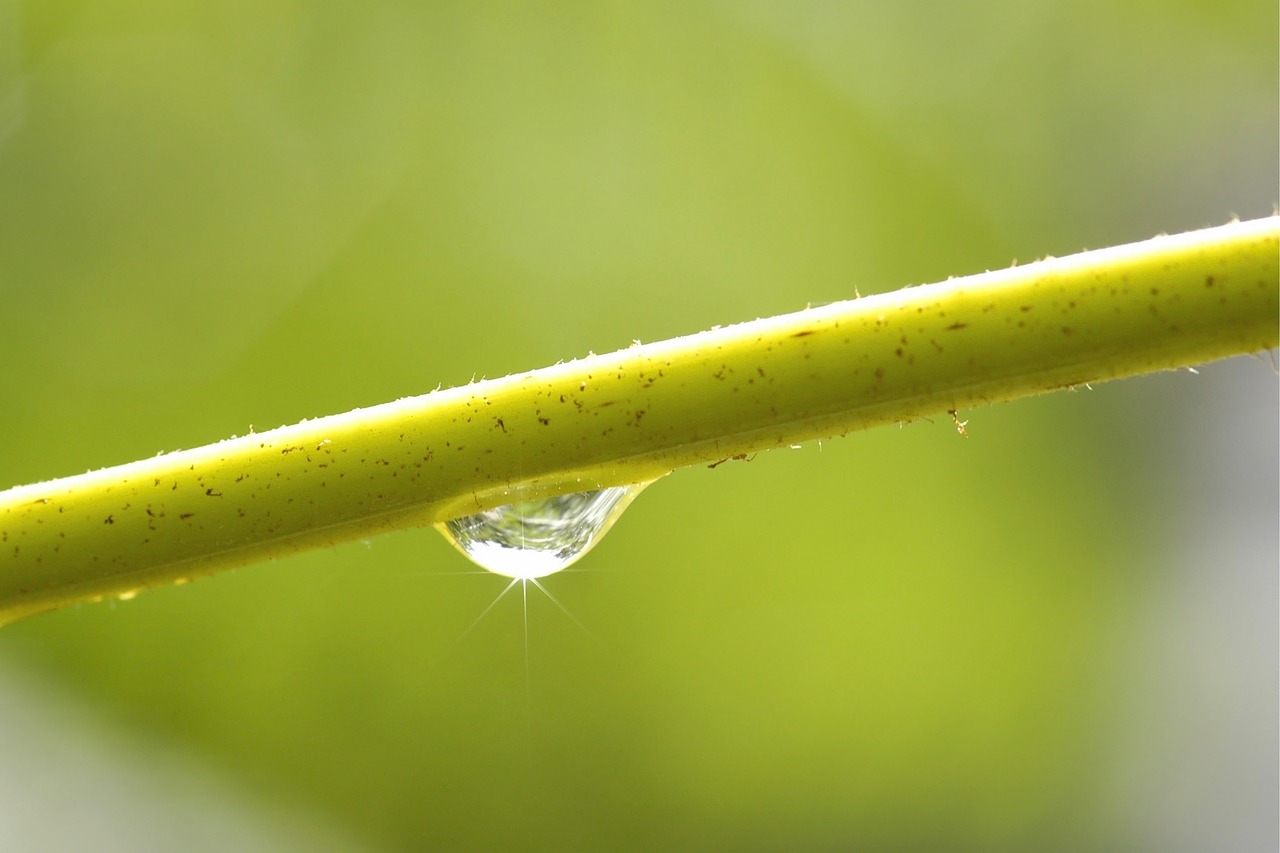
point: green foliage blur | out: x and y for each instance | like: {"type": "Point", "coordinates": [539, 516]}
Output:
{"type": "Point", "coordinates": [221, 215]}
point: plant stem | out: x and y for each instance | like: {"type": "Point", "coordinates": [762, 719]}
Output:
{"type": "Point", "coordinates": [633, 415]}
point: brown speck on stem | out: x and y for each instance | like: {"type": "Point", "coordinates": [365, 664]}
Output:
{"type": "Point", "coordinates": [740, 457]}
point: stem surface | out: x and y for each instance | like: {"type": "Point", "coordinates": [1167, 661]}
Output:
{"type": "Point", "coordinates": [633, 415]}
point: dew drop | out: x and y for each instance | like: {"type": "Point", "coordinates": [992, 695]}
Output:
{"type": "Point", "coordinates": [535, 538]}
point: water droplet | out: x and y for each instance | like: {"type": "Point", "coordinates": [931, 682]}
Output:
{"type": "Point", "coordinates": [535, 538]}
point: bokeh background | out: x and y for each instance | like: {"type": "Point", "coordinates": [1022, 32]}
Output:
{"type": "Point", "coordinates": [1059, 632]}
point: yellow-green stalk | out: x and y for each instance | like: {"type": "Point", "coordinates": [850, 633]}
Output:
{"type": "Point", "coordinates": [633, 415]}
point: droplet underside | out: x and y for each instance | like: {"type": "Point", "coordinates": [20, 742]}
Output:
{"type": "Point", "coordinates": [535, 538]}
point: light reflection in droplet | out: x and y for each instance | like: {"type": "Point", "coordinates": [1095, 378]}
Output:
{"type": "Point", "coordinates": [534, 538]}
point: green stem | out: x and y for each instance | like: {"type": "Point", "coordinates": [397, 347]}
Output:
{"type": "Point", "coordinates": [632, 416]}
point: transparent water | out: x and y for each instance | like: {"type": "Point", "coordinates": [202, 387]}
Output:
{"type": "Point", "coordinates": [535, 538]}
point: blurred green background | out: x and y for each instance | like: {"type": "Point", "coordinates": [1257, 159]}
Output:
{"type": "Point", "coordinates": [1058, 632]}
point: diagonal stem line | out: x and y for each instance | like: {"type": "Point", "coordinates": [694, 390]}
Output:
{"type": "Point", "coordinates": [631, 416]}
